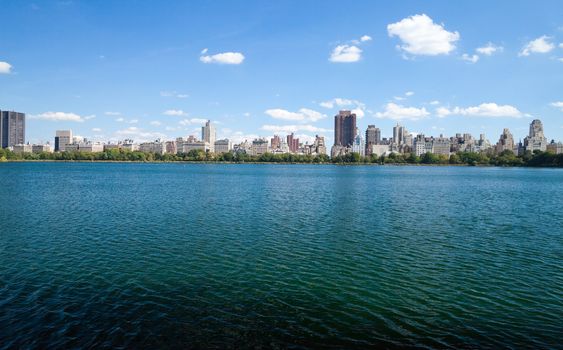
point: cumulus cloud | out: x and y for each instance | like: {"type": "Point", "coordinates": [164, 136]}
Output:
{"type": "Point", "coordinates": [358, 112]}
{"type": "Point", "coordinates": [483, 110]}
{"type": "Point", "coordinates": [5, 68]}
{"type": "Point", "coordinates": [175, 112]}
{"type": "Point", "coordinates": [61, 116]}
{"type": "Point", "coordinates": [340, 102]}
{"type": "Point", "coordinates": [435, 102]}
{"type": "Point", "coordinates": [557, 104]}
{"type": "Point", "coordinates": [489, 49]}
{"type": "Point", "coordinates": [186, 122]}
{"type": "Point", "coordinates": [358, 107]}
{"type": "Point", "coordinates": [365, 38]}
{"type": "Point", "coordinates": [542, 44]}
{"type": "Point", "coordinates": [222, 58]}
{"type": "Point", "coordinates": [470, 58]}
{"type": "Point", "coordinates": [346, 54]}
{"type": "Point", "coordinates": [288, 129]}
{"type": "Point", "coordinates": [394, 111]}
{"type": "Point", "coordinates": [112, 113]}
{"type": "Point", "coordinates": [421, 36]}
{"type": "Point", "coordinates": [409, 93]}
{"type": "Point", "coordinates": [303, 115]}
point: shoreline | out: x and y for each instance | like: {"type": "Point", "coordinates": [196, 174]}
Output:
{"type": "Point", "coordinates": [267, 163]}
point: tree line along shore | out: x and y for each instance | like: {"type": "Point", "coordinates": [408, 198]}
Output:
{"type": "Point", "coordinates": [506, 158]}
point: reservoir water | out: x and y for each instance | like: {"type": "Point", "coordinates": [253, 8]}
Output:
{"type": "Point", "coordinates": [104, 255]}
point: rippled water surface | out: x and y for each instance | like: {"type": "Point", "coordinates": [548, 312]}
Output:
{"type": "Point", "coordinates": [286, 256]}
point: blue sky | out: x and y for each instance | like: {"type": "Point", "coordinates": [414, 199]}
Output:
{"type": "Point", "coordinates": [145, 69]}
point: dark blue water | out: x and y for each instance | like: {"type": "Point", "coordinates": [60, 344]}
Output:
{"type": "Point", "coordinates": [279, 256]}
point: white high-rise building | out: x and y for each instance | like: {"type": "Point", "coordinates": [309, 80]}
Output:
{"type": "Point", "coordinates": [222, 146]}
{"type": "Point", "coordinates": [62, 138]}
{"type": "Point", "coordinates": [209, 135]}
{"type": "Point", "coordinates": [536, 140]}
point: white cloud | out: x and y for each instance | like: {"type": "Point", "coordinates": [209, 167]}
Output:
{"type": "Point", "coordinates": [421, 36]}
{"type": "Point", "coordinates": [112, 113]}
{"type": "Point", "coordinates": [483, 110]}
{"type": "Point", "coordinates": [96, 129]}
{"type": "Point", "coordinates": [304, 114]}
{"type": "Point", "coordinates": [558, 104]}
{"type": "Point", "coordinates": [155, 123]}
{"type": "Point", "coordinates": [5, 68]}
{"type": "Point", "coordinates": [470, 58]}
{"type": "Point", "coordinates": [561, 45]}
{"type": "Point", "coordinates": [409, 93]}
{"type": "Point", "coordinates": [130, 121]}
{"type": "Point", "coordinates": [288, 129]}
{"type": "Point", "coordinates": [489, 49]}
{"type": "Point", "coordinates": [222, 58]}
{"type": "Point", "coordinates": [358, 112]}
{"type": "Point", "coordinates": [435, 102]}
{"type": "Point", "coordinates": [365, 38]}
{"type": "Point", "coordinates": [173, 94]}
{"type": "Point", "coordinates": [442, 112]}
{"type": "Point", "coordinates": [399, 98]}
{"type": "Point", "coordinates": [345, 54]}
{"type": "Point", "coordinates": [187, 122]}
{"type": "Point", "coordinates": [61, 116]}
{"type": "Point", "coordinates": [336, 101]}
{"type": "Point", "coordinates": [397, 112]}
{"type": "Point", "coordinates": [539, 45]}
{"type": "Point", "coordinates": [341, 102]}
{"type": "Point", "coordinates": [175, 112]}
{"type": "Point", "coordinates": [140, 135]}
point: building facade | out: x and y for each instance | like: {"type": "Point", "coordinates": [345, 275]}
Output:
{"type": "Point", "coordinates": [223, 146]}
{"type": "Point", "coordinates": [373, 137]}
{"type": "Point", "coordinates": [12, 129]}
{"type": "Point", "coordinates": [62, 138]}
{"type": "Point", "coordinates": [535, 141]}
{"type": "Point", "coordinates": [292, 143]}
{"type": "Point", "coordinates": [259, 147]}
{"type": "Point", "coordinates": [209, 135]}
{"type": "Point", "coordinates": [505, 142]}
{"type": "Point", "coordinates": [344, 128]}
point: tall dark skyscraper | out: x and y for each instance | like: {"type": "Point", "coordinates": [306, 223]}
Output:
{"type": "Point", "coordinates": [344, 128]}
{"type": "Point", "coordinates": [12, 129]}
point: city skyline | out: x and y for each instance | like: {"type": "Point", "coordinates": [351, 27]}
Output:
{"type": "Point", "coordinates": [289, 69]}
{"type": "Point", "coordinates": [348, 139]}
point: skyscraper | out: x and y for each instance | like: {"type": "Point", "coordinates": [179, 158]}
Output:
{"type": "Point", "coordinates": [373, 136]}
{"type": "Point", "coordinates": [62, 138]}
{"type": "Point", "coordinates": [293, 143]}
{"type": "Point", "coordinates": [209, 135]}
{"type": "Point", "coordinates": [275, 142]}
{"type": "Point", "coordinates": [344, 128]}
{"type": "Point", "coordinates": [505, 142]}
{"type": "Point", "coordinates": [12, 129]}
{"type": "Point", "coordinates": [536, 140]}
{"type": "Point", "coordinates": [399, 134]}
